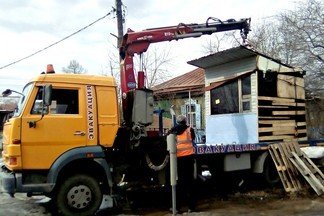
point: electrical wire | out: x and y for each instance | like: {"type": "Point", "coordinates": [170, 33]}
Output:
{"type": "Point", "coordinates": [57, 42]}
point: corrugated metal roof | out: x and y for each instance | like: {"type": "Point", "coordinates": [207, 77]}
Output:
{"type": "Point", "coordinates": [193, 80]}
{"type": "Point", "coordinates": [228, 55]}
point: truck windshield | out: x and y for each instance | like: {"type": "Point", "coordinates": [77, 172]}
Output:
{"type": "Point", "coordinates": [22, 100]}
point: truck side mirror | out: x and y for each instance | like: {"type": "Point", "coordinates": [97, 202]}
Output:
{"type": "Point", "coordinates": [6, 93]}
{"type": "Point", "coordinates": [45, 103]}
{"type": "Point", "coordinates": [47, 96]}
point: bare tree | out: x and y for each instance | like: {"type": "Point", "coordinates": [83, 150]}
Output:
{"type": "Point", "coordinates": [265, 38]}
{"type": "Point", "coordinates": [213, 44]}
{"type": "Point", "coordinates": [296, 37]}
{"type": "Point", "coordinates": [155, 64]}
{"type": "Point", "coordinates": [74, 67]}
{"type": "Point", "coordinates": [113, 69]}
{"type": "Point", "coordinates": [306, 26]}
{"type": "Point", "coordinates": [221, 41]}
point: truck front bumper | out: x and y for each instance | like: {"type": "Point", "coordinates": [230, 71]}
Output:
{"type": "Point", "coordinates": [7, 180]}
{"type": "Point", "coordinates": [12, 182]}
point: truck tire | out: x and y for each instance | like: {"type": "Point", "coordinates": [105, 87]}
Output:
{"type": "Point", "coordinates": [78, 195]}
{"type": "Point", "coordinates": [270, 172]}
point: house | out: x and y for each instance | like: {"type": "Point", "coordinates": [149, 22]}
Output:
{"type": "Point", "coordinates": [185, 94]}
{"type": "Point", "coordinates": [240, 96]}
{"type": "Point", "coordinates": [7, 107]}
{"type": "Point", "coordinates": [252, 98]}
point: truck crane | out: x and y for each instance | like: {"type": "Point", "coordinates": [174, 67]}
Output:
{"type": "Point", "coordinates": [138, 43]}
{"type": "Point", "coordinates": [66, 140]}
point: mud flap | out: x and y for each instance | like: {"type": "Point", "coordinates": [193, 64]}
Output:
{"type": "Point", "coordinates": [107, 202]}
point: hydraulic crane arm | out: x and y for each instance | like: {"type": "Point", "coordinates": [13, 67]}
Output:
{"type": "Point", "coordinates": [138, 42]}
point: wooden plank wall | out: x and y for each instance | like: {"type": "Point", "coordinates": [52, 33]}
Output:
{"type": "Point", "coordinates": [290, 87]}
{"type": "Point", "coordinates": [282, 118]}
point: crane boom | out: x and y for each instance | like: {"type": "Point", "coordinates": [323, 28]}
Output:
{"type": "Point", "coordinates": [138, 42]}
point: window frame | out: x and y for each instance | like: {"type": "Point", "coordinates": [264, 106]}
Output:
{"type": "Point", "coordinates": [50, 109]}
{"type": "Point", "coordinates": [246, 98]}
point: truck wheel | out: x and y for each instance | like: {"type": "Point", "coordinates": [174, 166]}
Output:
{"type": "Point", "coordinates": [78, 195]}
{"type": "Point", "coordinates": [270, 172]}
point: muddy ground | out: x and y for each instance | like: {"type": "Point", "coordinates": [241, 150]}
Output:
{"type": "Point", "coordinates": [255, 202]}
{"type": "Point", "coordinates": [250, 199]}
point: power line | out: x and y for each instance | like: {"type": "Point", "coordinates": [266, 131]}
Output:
{"type": "Point", "coordinates": [57, 42]}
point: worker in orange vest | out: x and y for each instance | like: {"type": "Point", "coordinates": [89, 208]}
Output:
{"type": "Point", "coordinates": [185, 162]}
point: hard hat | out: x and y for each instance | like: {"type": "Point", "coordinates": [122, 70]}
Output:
{"type": "Point", "coordinates": [181, 119]}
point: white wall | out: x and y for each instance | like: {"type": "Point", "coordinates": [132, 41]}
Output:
{"type": "Point", "coordinates": [228, 70]}
{"type": "Point", "coordinates": [225, 71]}
{"type": "Point", "coordinates": [229, 129]}
{"type": "Point", "coordinates": [265, 64]}
{"type": "Point", "coordinates": [238, 128]}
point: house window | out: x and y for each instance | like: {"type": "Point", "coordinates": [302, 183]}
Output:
{"type": "Point", "coordinates": [193, 113]}
{"type": "Point", "coordinates": [232, 97]}
{"type": "Point", "coordinates": [64, 101]}
{"type": "Point", "coordinates": [246, 94]}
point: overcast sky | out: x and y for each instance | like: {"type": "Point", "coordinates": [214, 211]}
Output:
{"type": "Point", "coordinates": [27, 26]}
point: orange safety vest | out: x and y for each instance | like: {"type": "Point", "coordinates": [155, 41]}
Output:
{"type": "Point", "coordinates": [184, 144]}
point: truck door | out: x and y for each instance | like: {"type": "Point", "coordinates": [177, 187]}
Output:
{"type": "Point", "coordinates": [63, 126]}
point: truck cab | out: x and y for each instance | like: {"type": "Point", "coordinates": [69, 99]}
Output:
{"type": "Point", "coordinates": [69, 122]}
{"type": "Point", "coordinates": [47, 145]}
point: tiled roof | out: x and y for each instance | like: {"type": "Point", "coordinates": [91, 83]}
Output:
{"type": "Point", "coordinates": [193, 80]}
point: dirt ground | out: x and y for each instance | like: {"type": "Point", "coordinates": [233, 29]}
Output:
{"type": "Point", "coordinates": [260, 202]}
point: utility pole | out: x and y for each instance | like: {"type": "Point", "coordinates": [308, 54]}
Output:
{"type": "Point", "coordinates": [120, 22]}
{"type": "Point", "coordinates": [120, 29]}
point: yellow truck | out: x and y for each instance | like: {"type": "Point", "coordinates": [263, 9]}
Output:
{"type": "Point", "coordinates": [67, 141]}
{"type": "Point", "coordinates": [59, 149]}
